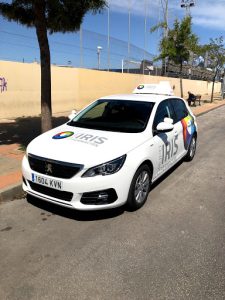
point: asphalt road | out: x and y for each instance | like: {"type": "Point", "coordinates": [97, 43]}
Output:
{"type": "Point", "coordinates": [173, 248]}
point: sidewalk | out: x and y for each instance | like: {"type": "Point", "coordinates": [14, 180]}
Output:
{"type": "Point", "coordinates": [16, 134]}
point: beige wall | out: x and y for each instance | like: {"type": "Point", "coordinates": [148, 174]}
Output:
{"type": "Point", "coordinates": [72, 87]}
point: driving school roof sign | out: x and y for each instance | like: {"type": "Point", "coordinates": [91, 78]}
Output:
{"type": "Point", "coordinates": [162, 88]}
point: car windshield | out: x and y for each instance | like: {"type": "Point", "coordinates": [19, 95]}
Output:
{"type": "Point", "coordinates": [115, 115]}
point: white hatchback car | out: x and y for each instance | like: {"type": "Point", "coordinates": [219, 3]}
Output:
{"type": "Point", "coordinates": [112, 151]}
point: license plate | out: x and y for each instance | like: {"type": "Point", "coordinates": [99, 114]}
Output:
{"type": "Point", "coordinates": [51, 183]}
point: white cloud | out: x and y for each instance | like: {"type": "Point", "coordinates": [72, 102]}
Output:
{"type": "Point", "coordinates": [210, 15]}
{"type": "Point", "coordinates": [206, 13]}
{"type": "Point", "coordinates": [137, 7]}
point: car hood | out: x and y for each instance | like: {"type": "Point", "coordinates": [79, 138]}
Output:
{"type": "Point", "coordinates": [84, 146]}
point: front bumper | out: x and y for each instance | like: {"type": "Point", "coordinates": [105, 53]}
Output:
{"type": "Point", "coordinates": [75, 188]}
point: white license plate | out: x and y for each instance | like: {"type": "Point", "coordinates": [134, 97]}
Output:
{"type": "Point", "coordinates": [49, 182]}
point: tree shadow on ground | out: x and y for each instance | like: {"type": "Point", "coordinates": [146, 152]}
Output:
{"type": "Point", "coordinates": [23, 130]}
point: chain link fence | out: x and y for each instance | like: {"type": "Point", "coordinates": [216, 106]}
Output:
{"type": "Point", "coordinates": [91, 50]}
{"type": "Point", "coordinates": [84, 49]}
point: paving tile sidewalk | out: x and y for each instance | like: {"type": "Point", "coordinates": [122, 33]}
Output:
{"type": "Point", "coordinates": [10, 171]}
{"type": "Point", "coordinates": [11, 157]}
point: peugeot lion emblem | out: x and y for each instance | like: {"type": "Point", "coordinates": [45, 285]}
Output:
{"type": "Point", "coordinates": [48, 168]}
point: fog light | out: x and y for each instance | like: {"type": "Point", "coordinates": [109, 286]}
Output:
{"type": "Point", "coordinates": [99, 197]}
{"type": "Point", "coordinates": [103, 196]}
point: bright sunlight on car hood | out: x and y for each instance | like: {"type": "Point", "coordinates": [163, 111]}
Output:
{"type": "Point", "coordinates": [84, 146]}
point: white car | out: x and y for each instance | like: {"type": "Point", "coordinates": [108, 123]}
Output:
{"type": "Point", "coordinates": [111, 152]}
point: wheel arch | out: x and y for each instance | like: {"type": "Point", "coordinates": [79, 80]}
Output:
{"type": "Point", "coordinates": [131, 203]}
{"type": "Point", "coordinates": [149, 164]}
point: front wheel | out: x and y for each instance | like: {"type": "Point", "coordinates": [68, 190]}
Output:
{"type": "Point", "coordinates": [140, 187]}
{"type": "Point", "coordinates": [192, 149]}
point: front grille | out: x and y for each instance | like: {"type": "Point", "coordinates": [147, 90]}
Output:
{"type": "Point", "coordinates": [52, 167]}
{"type": "Point", "coordinates": [61, 195]}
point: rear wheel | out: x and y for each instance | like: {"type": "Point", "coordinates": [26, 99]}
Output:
{"type": "Point", "coordinates": [139, 188]}
{"type": "Point", "coordinates": [192, 149]}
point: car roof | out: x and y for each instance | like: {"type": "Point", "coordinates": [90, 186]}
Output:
{"type": "Point", "coordinates": [140, 97]}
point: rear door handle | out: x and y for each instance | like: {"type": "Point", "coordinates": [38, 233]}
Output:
{"type": "Point", "coordinates": [176, 133]}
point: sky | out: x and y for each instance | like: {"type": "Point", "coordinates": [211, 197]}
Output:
{"type": "Point", "coordinates": [20, 44]}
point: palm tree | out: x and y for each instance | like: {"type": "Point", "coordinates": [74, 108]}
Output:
{"type": "Point", "coordinates": [53, 16]}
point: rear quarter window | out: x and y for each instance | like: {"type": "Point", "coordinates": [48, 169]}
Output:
{"type": "Point", "coordinates": [164, 110]}
{"type": "Point", "coordinates": [180, 109]}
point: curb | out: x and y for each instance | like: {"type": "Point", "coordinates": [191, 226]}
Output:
{"type": "Point", "coordinates": [208, 110]}
{"type": "Point", "coordinates": [11, 193]}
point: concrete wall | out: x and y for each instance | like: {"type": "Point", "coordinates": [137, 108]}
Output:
{"type": "Point", "coordinates": [72, 87]}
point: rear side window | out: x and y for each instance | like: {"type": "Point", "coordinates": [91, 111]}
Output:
{"type": "Point", "coordinates": [164, 110]}
{"type": "Point", "coordinates": [180, 109]}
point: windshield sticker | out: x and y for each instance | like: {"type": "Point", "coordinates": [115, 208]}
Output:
{"type": "Point", "coordinates": [188, 130]}
{"type": "Point", "coordinates": [62, 135]}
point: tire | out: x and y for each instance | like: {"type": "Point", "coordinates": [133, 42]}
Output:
{"type": "Point", "coordinates": [139, 188]}
{"type": "Point", "coordinates": [192, 149]}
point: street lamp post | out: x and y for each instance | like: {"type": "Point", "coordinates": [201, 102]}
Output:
{"type": "Point", "coordinates": [99, 48]}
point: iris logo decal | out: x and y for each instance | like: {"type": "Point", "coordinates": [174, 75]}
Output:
{"type": "Point", "coordinates": [63, 135]}
{"type": "Point", "coordinates": [188, 130]}
{"type": "Point", "coordinates": [140, 87]}
{"type": "Point", "coordinates": [169, 150]}
{"type": "Point", "coordinates": [89, 139]}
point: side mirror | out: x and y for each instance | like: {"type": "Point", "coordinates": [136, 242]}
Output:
{"type": "Point", "coordinates": [164, 127]}
{"type": "Point", "coordinates": [72, 115]}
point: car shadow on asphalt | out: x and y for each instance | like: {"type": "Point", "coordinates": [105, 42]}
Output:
{"type": "Point", "coordinates": [167, 174]}
{"type": "Point", "coordinates": [23, 130]}
{"type": "Point", "coordinates": [75, 214]}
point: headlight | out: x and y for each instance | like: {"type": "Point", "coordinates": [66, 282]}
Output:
{"type": "Point", "coordinates": [108, 168]}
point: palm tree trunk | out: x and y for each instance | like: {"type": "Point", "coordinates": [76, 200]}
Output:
{"type": "Point", "coordinates": [181, 82]}
{"type": "Point", "coordinates": [45, 60]}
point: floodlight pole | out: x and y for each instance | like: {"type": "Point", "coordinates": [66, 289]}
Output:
{"type": "Point", "coordinates": [187, 4]}
{"type": "Point", "coordinates": [146, 4]}
{"type": "Point", "coordinates": [81, 46]}
{"type": "Point", "coordinates": [128, 46]}
{"type": "Point", "coordinates": [164, 5]}
{"type": "Point", "coordinates": [166, 29]}
{"type": "Point", "coordinates": [108, 42]}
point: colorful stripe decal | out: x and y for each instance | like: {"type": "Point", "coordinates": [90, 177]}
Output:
{"type": "Point", "coordinates": [188, 130]}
